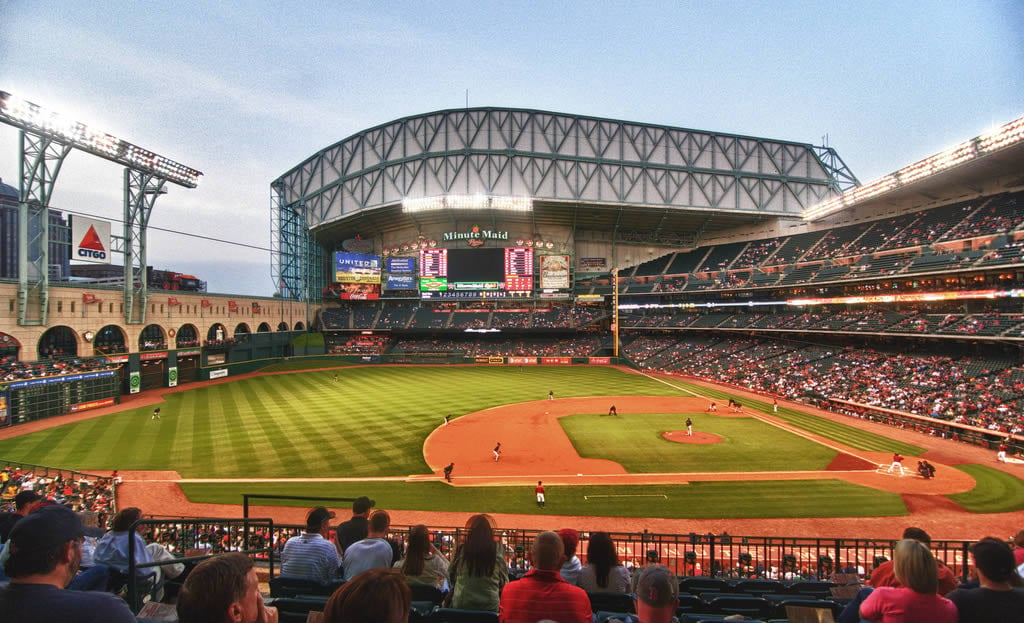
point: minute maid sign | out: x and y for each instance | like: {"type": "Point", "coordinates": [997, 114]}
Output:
{"type": "Point", "coordinates": [476, 236]}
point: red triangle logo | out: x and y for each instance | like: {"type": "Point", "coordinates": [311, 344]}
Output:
{"type": "Point", "coordinates": [91, 241]}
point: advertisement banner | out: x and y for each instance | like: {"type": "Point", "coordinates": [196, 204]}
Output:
{"type": "Point", "coordinates": [134, 382]}
{"type": "Point", "coordinates": [356, 268]}
{"type": "Point", "coordinates": [153, 356]}
{"type": "Point", "coordinates": [90, 240]}
{"type": "Point", "coordinates": [400, 282]}
{"type": "Point", "coordinates": [359, 291]}
{"type": "Point", "coordinates": [95, 404]}
{"type": "Point", "coordinates": [593, 263]}
{"type": "Point", "coordinates": [557, 361]}
{"type": "Point", "coordinates": [172, 376]}
{"type": "Point", "coordinates": [218, 374]}
{"type": "Point", "coordinates": [5, 418]}
{"type": "Point", "coordinates": [401, 265]}
{"type": "Point", "coordinates": [601, 360]}
{"type": "Point", "coordinates": [522, 361]}
{"type": "Point", "coordinates": [554, 271]}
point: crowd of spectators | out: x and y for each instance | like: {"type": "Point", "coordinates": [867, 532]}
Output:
{"type": "Point", "coordinates": [967, 390]}
{"type": "Point", "coordinates": [11, 369]}
{"type": "Point", "coordinates": [79, 491]}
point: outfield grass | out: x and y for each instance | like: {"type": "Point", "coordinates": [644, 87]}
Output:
{"type": "Point", "coordinates": [699, 500]}
{"type": "Point", "coordinates": [748, 444]}
{"type": "Point", "coordinates": [995, 491]}
{"type": "Point", "coordinates": [372, 423]}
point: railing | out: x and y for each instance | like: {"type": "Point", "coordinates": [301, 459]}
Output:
{"type": "Point", "coordinates": [196, 540]}
{"type": "Point", "coordinates": [711, 555]}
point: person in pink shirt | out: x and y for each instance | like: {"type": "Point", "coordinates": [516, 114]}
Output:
{"type": "Point", "coordinates": [916, 601]}
{"type": "Point", "coordinates": [1018, 548]}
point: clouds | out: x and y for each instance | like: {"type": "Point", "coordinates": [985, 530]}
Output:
{"type": "Point", "coordinates": [245, 91]}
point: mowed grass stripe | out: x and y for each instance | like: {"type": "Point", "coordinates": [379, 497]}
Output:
{"type": "Point", "coordinates": [371, 423]}
{"type": "Point", "coordinates": [702, 500]}
{"type": "Point", "coordinates": [995, 491]}
{"type": "Point", "coordinates": [830, 429]}
{"type": "Point", "coordinates": [285, 457]}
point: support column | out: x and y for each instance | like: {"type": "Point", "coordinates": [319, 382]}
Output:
{"type": "Point", "coordinates": [39, 162]}
{"type": "Point", "coordinates": [141, 190]}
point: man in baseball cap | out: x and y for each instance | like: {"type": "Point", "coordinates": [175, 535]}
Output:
{"type": "Point", "coordinates": [657, 594]}
{"type": "Point", "coordinates": [310, 555]}
{"type": "Point", "coordinates": [45, 552]}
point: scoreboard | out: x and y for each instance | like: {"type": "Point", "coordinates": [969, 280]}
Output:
{"type": "Point", "coordinates": [476, 273]}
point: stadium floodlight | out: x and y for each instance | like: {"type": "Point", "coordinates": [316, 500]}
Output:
{"type": "Point", "coordinates": [468, 202]}
{"type": "Point", "coordinates": [34, 118]}
{"type": "Point", "coordinates": [980, 146]}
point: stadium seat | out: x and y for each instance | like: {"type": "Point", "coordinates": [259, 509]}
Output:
{"type": "Point", "coordinates": [690, 603]}
{"type": "Point", "coordinates": [611, 602]}
{"type": "Point", "coordinates": [291, 610]}
{"type": "Point", "coordinates": [701, 584]}
{"type": "Point", "coordinates": [456, 615]}
{"type": "Point", "coordinates": [820, 590]}
{"type": "Point", "coordinates": [426, 592]}
{"type": "Point", "coordinates": [780, 607]}
{"type": "Point", "coordinates": [748, 605]}
{"type": "Point", "coordinates": [293, 587]}
{"type": "Point", "coordinates": [759, 587]}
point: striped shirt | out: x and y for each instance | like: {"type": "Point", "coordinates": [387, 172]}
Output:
{"type": "Point", "coordinates": [311, 557]}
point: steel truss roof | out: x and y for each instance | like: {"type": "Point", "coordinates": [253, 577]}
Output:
{"type": "Point", "coordinates": [565, 163]}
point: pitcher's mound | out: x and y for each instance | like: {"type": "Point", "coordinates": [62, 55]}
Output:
{"type": "Point", "coordinates": [680, 436]}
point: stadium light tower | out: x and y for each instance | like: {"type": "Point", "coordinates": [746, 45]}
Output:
{"type": "Point", "coordinates": [47, 137]}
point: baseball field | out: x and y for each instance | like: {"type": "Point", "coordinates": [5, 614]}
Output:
{"type": "Point", "coordinates": [378, 430]}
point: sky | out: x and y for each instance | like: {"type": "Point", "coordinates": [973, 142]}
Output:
{"type": "Point", "coordinates": [244, 91]}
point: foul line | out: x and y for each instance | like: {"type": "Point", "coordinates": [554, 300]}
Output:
{"type": "Point", "coordinates": [629, 495]}
{"type": "Point", "coordinates": [821, 440]}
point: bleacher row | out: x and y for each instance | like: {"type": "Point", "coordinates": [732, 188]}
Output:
{"type": "Point", "coordinates": [701, 600]}
{"type": "Point", "coordinates": [853, 320]}
{"type": "Point", "coordinates": [928, 241]}
{"type": "Point", "coordinates": [392, 316]}
{"type": "Point", "coordinates": [982, 392]}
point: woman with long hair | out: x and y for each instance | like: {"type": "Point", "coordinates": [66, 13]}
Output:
{"type": "Point", "coordinates": [478, 570]}
{"type": "Point", "coordinates": [423, 563]}
{"type": "Point", "coordinates": [603, 573]}
{"type": "Point", "coordinates": [374, 596]}
{"type": "Point", "coordinates": [917, 600]}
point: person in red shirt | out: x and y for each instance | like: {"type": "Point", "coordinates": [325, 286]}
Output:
{"type": "Point", "coordinates": [539, 490]}
{"type": "Point", "coordinates": [1018, 548]}
{"type": "Point", "coordinates": [884, 575]}
{"type": "Point", "coordinates": [542, 593]}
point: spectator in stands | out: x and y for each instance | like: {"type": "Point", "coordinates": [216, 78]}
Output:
{"type": "Point", "coordinates": [885, 575]}
{"type": "Point", "coordinates": [355, 528]}
{"type": "Point", "coordinates": [112, 551]}
{"type": "Point", "coordinates": [423, 563]}
{"type": "Point", "coordinates": [916, 600]}
{"type": "Point", "coordinates": [656, 595]}
{"type": "Point", "coordinates": [44, 557]}
{"type": "Point", "coordinates": [1000, 594]}
{"type": "Point", "coordinates": [374, 596]}
{"type": "Point", "coordinates": [478, 570]}
{"type": "Point", "coordinates": [542, 594]}
{"type": "Point", "coordinates": [1018, 548]}
{"type": "Point", "coordinates": [310, 555]}
{"type": "Point", "coordinates": [24, 502]}
{"type": "Point", "coordinates": [224, 589]}
{"type": "Point", "coordinates": [572, 566]}
{"type": "Point", "coordinates": [373, 552]}
{"type": "Point", "coordinates": [603, 573]}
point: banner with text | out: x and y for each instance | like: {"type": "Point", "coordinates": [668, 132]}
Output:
{"type": "Point", "coordinates": [554, 271]}
{"type": "Point", "coordinates": [356, 268]}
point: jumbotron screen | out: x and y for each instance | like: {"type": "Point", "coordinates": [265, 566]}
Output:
{"type": "Point", "coordinates": [491, 270]}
